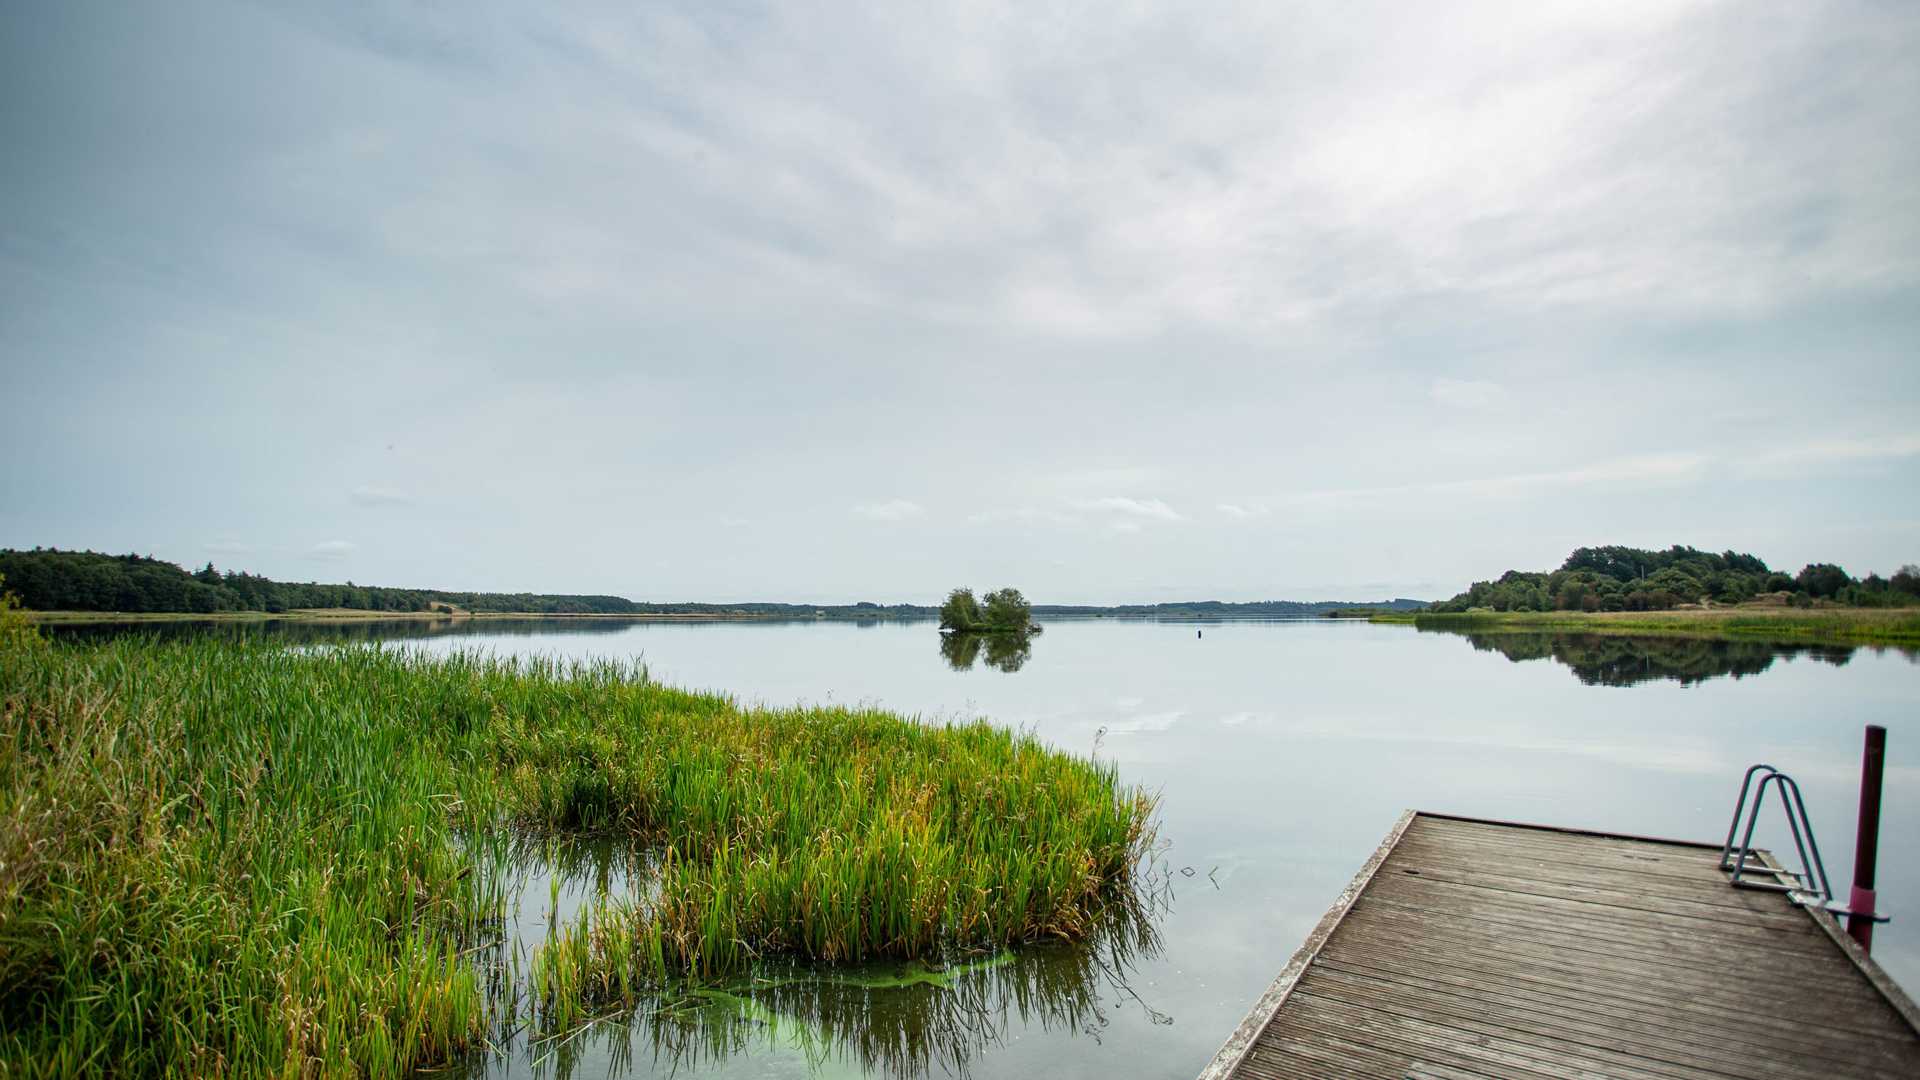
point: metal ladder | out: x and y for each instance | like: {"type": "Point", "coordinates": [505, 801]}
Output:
{"type": "Point", "coordinates": [1810, 885]}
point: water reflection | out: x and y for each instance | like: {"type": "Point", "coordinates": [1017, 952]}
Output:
{"type": "Point", "coordinates": [900, 1019]}
{"type": "Point", "coordinates": [1004, 652]}
{"type": "Point", "coordinates": [342, 631]}
{"type": "Point", "coordinates": [1619, 660]}
{"type": "Point", "coordinates": [904, 1020]}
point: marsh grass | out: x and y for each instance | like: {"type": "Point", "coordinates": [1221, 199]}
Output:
{"type": "Point", "coordinates": [1860, 626]}
{"type": "Point", "coordinates": [911, 1018]}
{"type": "Point", "coordinates": [227, 858]}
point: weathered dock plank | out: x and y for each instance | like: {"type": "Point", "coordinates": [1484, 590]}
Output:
{"type": "Point", "coordinates": [1469, 948]}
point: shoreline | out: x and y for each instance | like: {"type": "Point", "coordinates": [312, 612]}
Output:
{"type": "Point", "coordinates": [1814, 626]}
{"type": "Point", "coordinates": [348, 615]}
{"type": "Point", "coordinates": [1853, 626]}
{"type": "Point", "coordinates": [345, 615]}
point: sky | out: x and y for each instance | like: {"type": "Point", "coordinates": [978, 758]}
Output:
{"type": "Point", "coordinates": [1111, 302]}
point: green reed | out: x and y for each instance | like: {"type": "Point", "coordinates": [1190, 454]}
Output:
{"type": "Point", "coordinates": [228, 858]}
{"type": "Point", "coordinates": [1853, 626]}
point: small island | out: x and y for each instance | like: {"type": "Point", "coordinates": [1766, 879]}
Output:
{"type": "Point", "coordinates": [1005, 611]}
{"type": "Point", "coordinates": [1002, 629]}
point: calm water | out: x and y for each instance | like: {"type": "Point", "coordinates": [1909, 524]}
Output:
{"type": "Point", "coordinates": [1283, 751]}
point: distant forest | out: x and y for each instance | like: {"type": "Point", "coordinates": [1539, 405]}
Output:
{"type": "Point", "coordinates": [47, 579]}
{"type": "Point", "coordinates": [1219, 609]}
{"type": "Point", "coordinates": [52, 580]}
{"type": "Point", "coordinates": [1632, 579]}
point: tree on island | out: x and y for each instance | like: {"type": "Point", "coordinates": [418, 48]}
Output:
{"type": "Point", "coordinates": [1005, 612]}
{"type": "Point", "coordinates": [961, 612]}
{"type": "Point", "coordinates": [1618, 578]}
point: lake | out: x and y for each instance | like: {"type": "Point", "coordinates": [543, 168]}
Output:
{"type": "Point", "coordinates": [1282, 752]}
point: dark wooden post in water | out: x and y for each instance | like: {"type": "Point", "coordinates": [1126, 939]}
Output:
{"type": "Point", "coordinates": [1866, 849]}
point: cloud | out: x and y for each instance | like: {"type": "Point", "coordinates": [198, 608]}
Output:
{"type": "Point", "coordinates": [1831, 452]}
{"type": "Point", "coordinates": [1585, 162]}
{"type": "Point", "coordinates": [229, 547]}
{"type": "Point", "coordinates": [1467, 394]}
{"type": "Point", "coordinates": [1087, 482]}
{"type": "Point", "coordinates": [1153, 509]}
{"type": "Point", "coordinates": [366, 495]}
{"type": "Point", "coordinates": [892, 510]}
{"type": "Point", "coordinates": [332, 550]}
{"type": "Point", "coordinates": [1251, 257]}
{"type": "Point", "coordinates": [1636, 471]}
{"type": "Point", "coordinates": [1629, 472]}
{"type": "Point", "coordinates": [1026, 514]}
{"type": "Point", "coordinates": [1640, 469]}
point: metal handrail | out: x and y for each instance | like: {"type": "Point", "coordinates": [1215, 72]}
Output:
{"type": "Point", "coordinates": [1810, 885]}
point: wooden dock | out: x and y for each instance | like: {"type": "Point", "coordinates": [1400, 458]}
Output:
{"type": "Point", "coordinates": [1469, 948]}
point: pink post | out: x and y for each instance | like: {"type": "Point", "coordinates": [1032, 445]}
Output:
{"type": "Point", "coordinates": [1866, 850]}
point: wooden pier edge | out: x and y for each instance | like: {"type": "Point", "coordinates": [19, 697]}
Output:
{"type": "Point", "coordinates": [1875, 975]}
{"type": "Point", "coordinates": [1264, 1010]}
{"type": "Point", "coordinates": [1570, 830]}
{"type": "Point", "coordinates": [1872, 1055]}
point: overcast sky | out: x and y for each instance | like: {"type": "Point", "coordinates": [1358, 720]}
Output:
{"type": "Point", "coordinates": [814, 302]}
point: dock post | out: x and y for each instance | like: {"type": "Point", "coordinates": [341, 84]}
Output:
{"type": "Point", "coordinates": [1866, 849]}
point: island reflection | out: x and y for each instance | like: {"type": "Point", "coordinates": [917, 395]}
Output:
{"type": "Point", "coordinates": [1625, 660]}
{"type": "Point", "coordinates": [1003, 652]}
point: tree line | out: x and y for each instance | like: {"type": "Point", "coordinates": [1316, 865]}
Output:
{"type": "Point", "coordinates": [1618, 578]}
{"type": "Point", "coordinates": [48, 579]}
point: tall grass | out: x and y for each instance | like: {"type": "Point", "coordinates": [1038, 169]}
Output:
{"type": "Point", "coordinates": [229, 858]}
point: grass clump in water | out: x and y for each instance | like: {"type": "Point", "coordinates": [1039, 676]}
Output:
{"type": "Point", "coordinates": [230, 858]}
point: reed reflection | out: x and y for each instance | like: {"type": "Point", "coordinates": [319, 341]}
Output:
{"type": "Point", "coordinates": [910, 1019]}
